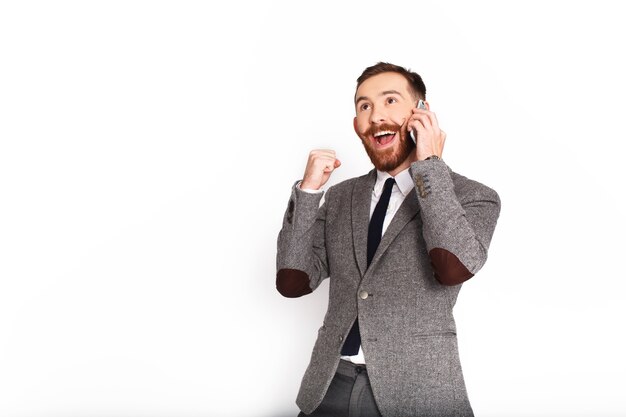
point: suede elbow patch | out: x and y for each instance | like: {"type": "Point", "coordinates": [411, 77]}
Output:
{"type": "Point", "coordinates": [292, 283]}
{"type": "Point", "coordinates": [448, 269]}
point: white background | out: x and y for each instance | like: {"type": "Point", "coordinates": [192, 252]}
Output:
{"type": "Point", "coordinates": [146, 158]}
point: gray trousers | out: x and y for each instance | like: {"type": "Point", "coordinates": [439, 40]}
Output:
{"type": "Point", "coordinates": [349, 395]}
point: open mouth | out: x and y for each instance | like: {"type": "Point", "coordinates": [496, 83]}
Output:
{"type": "Point", "coordinates": [384, 137]}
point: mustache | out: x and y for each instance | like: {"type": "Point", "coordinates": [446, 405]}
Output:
{"type": "Point", "coordinates": [372, 130]}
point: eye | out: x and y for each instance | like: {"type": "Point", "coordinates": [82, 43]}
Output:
{"type": "Point", "coordinates": [391, 100]}
{"type": "Point", "coordinates": [364, 106]}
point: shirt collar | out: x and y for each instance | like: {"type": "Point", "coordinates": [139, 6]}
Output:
{"type": "Point", "coordinates": [404, 182]}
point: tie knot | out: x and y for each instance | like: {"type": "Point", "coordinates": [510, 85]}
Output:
{"type": "Point", "coordinates": [389, 184]}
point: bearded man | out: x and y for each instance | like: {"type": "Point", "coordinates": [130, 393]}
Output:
{"type": "Point", "coordinates": [397, 244]}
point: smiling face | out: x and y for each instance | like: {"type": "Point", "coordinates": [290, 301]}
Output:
{"type": "Point", "coordinates": [383, 105]}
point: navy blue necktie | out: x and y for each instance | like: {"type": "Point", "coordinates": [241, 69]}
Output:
{"type": "Point", "coordinates": [374, 234]}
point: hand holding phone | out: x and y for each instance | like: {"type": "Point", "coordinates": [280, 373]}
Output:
{"type": "Point", "coordinates": [420, 105]}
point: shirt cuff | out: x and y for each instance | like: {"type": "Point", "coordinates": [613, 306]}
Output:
{"type": "Point", "coordinates": [308, 190]}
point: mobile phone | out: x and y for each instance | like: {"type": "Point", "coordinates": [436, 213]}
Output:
{"type": "Point", "coordinates": [420, 105]}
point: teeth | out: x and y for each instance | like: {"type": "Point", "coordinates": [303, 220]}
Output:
{"type": "Point", "coordinates": [384, 132]}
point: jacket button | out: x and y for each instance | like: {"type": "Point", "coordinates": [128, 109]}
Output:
{"type": "Point", "coordinates": [363, 295]}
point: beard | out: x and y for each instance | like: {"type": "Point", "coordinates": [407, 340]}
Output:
{"type": "Point", "coordinates": [388, 159]}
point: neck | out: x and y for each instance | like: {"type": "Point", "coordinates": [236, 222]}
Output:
{"type": "Point", "coordinates": [404, 165]}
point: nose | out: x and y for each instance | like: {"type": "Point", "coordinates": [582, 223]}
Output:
{"type": "Point", "coordinates": [377, 116]}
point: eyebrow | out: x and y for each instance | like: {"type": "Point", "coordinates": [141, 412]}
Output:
{"type": "Point", "coordinates": [384, 93]}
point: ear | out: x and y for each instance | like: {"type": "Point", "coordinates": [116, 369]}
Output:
{"type": "Point", "coordinates": [356, 130]}
{"type": "Point", "coordinates": [427, 104]}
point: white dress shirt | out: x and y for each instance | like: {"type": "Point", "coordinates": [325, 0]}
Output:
{"type": "Point", "coordinates": [402, 187]}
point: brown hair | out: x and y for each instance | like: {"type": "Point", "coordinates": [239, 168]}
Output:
{"type": "Point", "coordinates": [416, 85]}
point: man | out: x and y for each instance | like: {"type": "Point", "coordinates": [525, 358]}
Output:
{"type": "Point", "coordinates": [397, 244]}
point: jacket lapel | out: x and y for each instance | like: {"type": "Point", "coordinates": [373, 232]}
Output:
{"type": "Point", "coordinates": [361, 202]}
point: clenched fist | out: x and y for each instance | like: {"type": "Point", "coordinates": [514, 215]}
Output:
{"type": "Point", "coordinates": [321, 163]}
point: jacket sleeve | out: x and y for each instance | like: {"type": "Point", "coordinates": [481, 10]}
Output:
{"type": "Point", "coordinates": [301, 261]}
{"type": "Point", "coordinates": [458, 220]}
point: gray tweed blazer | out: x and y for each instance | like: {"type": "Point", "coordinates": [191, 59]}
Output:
{"type": "Point", "coordinates": [438, 238]}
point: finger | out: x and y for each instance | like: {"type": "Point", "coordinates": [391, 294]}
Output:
{"type": "Point", "coordinates": [327, 164]}
{"type": "Point", "coordinates": [330, 151]}
{"type": "Point", "coordinates": [428, 120]}
{"type": "Point", "coordinates": [327, 152]}
{"type": "Point", "coordinates": [420, 122]}
{"type": "Point", "coordinates": [432, 117]}
{"type": "Point", "coordinates": [434, 121]}
{"type": "Point", "coordinates": [325, 159]}
{"type": "Point", "coordinates": [329, 167]}
{"type": "Point", "coordinates": [321, 157]}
